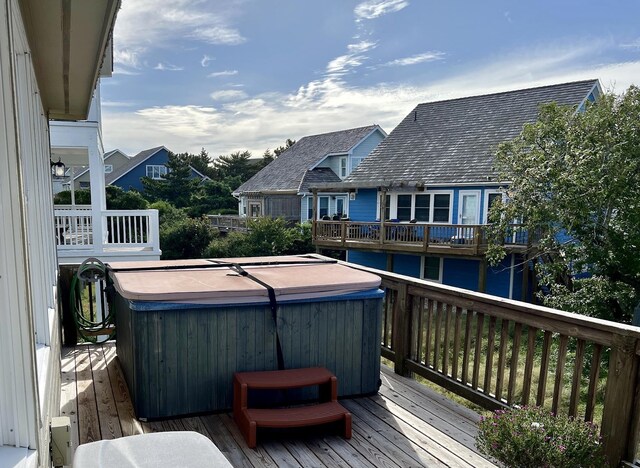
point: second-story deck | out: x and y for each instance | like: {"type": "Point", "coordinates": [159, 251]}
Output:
{"type": "Point", "coordinates": [424, 238]}
{"type": "Point", "coordinates": [125, 234]}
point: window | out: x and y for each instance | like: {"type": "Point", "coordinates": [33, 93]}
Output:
{"type": "Point", "coordinates": [403, 213]}
{"type": "Point", "coordinates": [387, 210]}
{"type": "Point", "coordinates": [431, 207]}
{"type": "Point", "coordinates": [323, 206]}
{"type": "Point", "coordinates": [156, 171]}
{"type": "Point", "coordinates": [310, 208]}
{"type": "Point", "coordinates": [108, 168]}
{"type": "Point", "coordinates": [343, 168]}
{"type": "Point", "coordinates": [490, 196]}
{"type": "Point", "coordinates": [85, 185]}
{"type": "Point", "coordinates": [441, 208]}
{"type": "Point", "coordinates": [422, 207]}
{"type": "Point", "coordinates": [432, 269]}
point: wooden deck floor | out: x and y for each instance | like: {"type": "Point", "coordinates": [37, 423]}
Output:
{"type": "Point", "coordinates": [404, 425]}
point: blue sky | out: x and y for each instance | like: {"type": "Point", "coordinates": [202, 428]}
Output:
{"type": "Point", "coordinates": [248, 74]}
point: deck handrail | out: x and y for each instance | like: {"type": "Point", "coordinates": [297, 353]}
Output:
{"type": "Point", "coordinates": [417, 235]}
{"type": "Point", "coordinates": [229, 222]}
{"type": "Point", "coordinates": [476, 345]}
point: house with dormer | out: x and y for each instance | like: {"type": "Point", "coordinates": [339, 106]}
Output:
{"type": "Point", "coordinates": [283, 188]}
{"type": "Point", "coordinates": [418, 203]}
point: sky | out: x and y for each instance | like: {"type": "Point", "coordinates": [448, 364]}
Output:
{"type": "Point", "coordinates": [239, 75]}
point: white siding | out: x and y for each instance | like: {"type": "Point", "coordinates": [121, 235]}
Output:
{"type": "Point", "coordinates": [28, 270]}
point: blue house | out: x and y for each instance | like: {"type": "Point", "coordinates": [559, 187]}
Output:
{"type": "Point", "coordinates": [148, 163]}
{"type": "Point", "coordinates": [282, 188]}
{"type": "Point", "coordinates": [418, 203]}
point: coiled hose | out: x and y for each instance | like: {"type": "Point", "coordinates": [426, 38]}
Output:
{"type": "Point", "coordinates": [91, 270]}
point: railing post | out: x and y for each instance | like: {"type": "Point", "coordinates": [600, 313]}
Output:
{"type": "Point", "coordinates": [153, 232]}
{"type": "Point", "coordinates": [619, 417]}
{"type": "Point", "coordinates": [343, 226]}
{"type": "Point", "coordinates": [401, 329]}
{"type": "Point", "coordinates": [476, 238]}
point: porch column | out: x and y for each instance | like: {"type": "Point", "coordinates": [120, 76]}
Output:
{"type": "Point", "coordinates": [98, 197]}
{"type": "Point", "coordinates": [383, 209]}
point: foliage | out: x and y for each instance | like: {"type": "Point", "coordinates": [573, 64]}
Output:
{"type": "Point", "coordinates": [201, 162]}
{"type": "Point", "coordinates": [268, 156]}
{"type": "Point", "coordinates": [168, 214]}
{"type": "Point", "coordinates": [281, 149]}
{"type": "Point", "coordinates": [118, 199]}
{"type": "Point", "coordinates": [212, 196]}
{"type": "Point", "coordinates": [574, 180]}
{"type": "Point", "coordinates": [187, 238]}
{"type": "Point", "coordinates": [533, 437]}
{"type": "Point", "coordinates": [266, 236]}
{"type": "Point", "coordinates": [235, 168]}
{"type": "Point", "coordinates": [176, 187]}
{"type": "Point", "coordinates": [83, 197]}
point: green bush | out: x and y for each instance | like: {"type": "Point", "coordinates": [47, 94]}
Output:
{"type": "Point", "coordinates": [119, 199]}
{"type": "Point", "coordinates": [83, 197]}
{"type": "Point", "coordinates": [168, 214]}
{"type": "Point", "coordinates": [534, 437]}
{"type": "Point", "coordinates": [187, 238]}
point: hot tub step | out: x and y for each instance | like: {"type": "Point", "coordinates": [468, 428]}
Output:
{"type": "Point", "coordinates": [328, 410]}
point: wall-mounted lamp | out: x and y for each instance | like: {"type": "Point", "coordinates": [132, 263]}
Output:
{"type": "Point", "coordinates": [58, 169]}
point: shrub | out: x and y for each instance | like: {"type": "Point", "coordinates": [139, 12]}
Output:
{"type": "Point", "coordinates": [118, 199]}
{"type": "Point", "coordinates": [187, 238]}
{"type": "Point", "coordinates": [82, 196]}
{"type": "Point", "coordinates": [534, 437]}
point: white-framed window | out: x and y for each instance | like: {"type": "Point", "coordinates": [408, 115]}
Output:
{"type": "Point", "coordinates": [490, 195]}
{"type": "Point", "coordinates": [343, 167]}
{"type": "Point", "coordinates": [425, 207]}
{"type": "Point", "coordinates": [431, 268]}
{"type": "Point", "coordinates": [156, 171]}
{"type": "Point", "coordinates": [108, 168]}
{"type": "Point", "coordinates": [85, 185]}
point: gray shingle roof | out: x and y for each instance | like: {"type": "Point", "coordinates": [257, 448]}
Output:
{"type": "Point", "coordinates": [319, 175]}
{"type": "Point", "coordinates": [287, 172]}
{"type": "Point", "coordinates": [133, 162]}
{"type": "Point", "coordinates": [454, 141]}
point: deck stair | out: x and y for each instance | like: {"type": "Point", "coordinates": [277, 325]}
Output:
{"type": "Point", "coordinates": [325, 411]}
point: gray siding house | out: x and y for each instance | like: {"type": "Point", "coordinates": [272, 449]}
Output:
{"type": "Point", "coordinates": [282, 189]}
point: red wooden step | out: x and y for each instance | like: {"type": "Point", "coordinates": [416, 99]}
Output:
{"type": "Point", "coordinates": [284, 379]}
{"type": "Point", "coordinates": [299, 416]}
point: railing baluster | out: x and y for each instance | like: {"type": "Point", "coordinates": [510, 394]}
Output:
{"type": "Point", "coordinates": [420, 332]}
{"type": "Point", "coordinates": [445, 351]}
{"type": "Point", "coordinates": [594, 377]}
{"type": "Point", "coordinates": [467, 346]}
{"type": "Point", "coordinates": [456, 343]}
{"type": "Point", "coordinates": [427, 352]}
{"type": "Point", "coordinates": [128, 234]}
{"type": "Point", "coordinates": [577, 378]}
{"type": "Point", "coordinates": [544, 368]}
{"type": "Point", "coordinates": [557, 388]}
{"type": "Point", "coordinates": [528, 367]}
{"type": "Point", "coordinates": [513, 366]}
{"type": "Point", "coordinates": [436, 340]}
{"type": "Point", "coordinates": [478, 350]}
{"type": "Point", "coordinates": [502, 357]}
{"type": "Point", "coordinates": [488, 370]}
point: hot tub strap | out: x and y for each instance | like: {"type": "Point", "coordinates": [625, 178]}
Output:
{"type": "Point", "coordinates": [273, 303]}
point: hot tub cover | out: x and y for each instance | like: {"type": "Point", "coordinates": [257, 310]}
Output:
{"type": "Point", "coordinates": [217, 281]}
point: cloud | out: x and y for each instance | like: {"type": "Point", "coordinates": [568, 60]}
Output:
{"type": "Point", "coordinates": [415, 59]}
{"type": "Point", "coordinates": [207, 21]}
{"type": "Point", "coordinates": [228, 95]}
{"type": "Point", "coordinates": [361, 46]}
{"type": "Point", "coordinates": [167, 67]}
{"type": "Point", "coordinates": [372, 9]}
{"type": "Point", "coordinates": [222, 73]}
{"type": "Point", "coordinates": [631, 45]}
{"type": "Point", "coordinates": [329, 103]}
{"type": "Point", "coordinates": [116, 104]}
{"type": "Point", "coordinates": [205, 60]}
{"type": "Point", "coordinates": [343, 63]}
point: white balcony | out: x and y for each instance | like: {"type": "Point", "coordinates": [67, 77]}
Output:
{"type": "Point", "coordinates": [124, 234]}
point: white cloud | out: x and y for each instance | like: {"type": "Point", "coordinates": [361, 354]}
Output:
{"type": "Point", "coordinates": [415, 59]}
{"type": "Point", "coordinates": [206, 21]}
{"type": "Point", "coordinates": [361, 46]}
{"type": "Point", "coordinates": [205, 60]}
{"type": "Point", "coordinates": [328, 104]}
{"type": "Point", "coordinates": [372, 9]}
{"type": "Point", "coordinates": [167, 67]}
{"type": "Point", "coordinates": [631, 45]}
{"type": "Point", "coordinates": [228, 95]}
{"type": "Point", "coordinates": [343, 63]}
{"type": "Point", "coordinates": [222, 73]}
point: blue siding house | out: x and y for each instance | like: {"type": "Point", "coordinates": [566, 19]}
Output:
{"type": "Point", "coordinates": [148, 163]}
{"type": "Point", "coordinates": [419, 201]}
{"type": "Point", "coordinates": [281, 189]}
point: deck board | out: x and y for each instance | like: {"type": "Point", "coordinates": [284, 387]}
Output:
{"type": "Point", "coordinates": [405, 424]}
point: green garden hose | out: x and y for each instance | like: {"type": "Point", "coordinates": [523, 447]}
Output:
{"type": "Point", "coordinates": [91, 270]}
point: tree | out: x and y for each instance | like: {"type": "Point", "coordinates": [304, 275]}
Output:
{"type": "Point", "coordinates": [176, 186]}
{"type": "Point", "coordinates": [574, 180]}
{"type": "Point", "coordinates": [202, 163]}
{"type": "Point", "coordinates": [212, 196]}
{"type": "Point", "coordinates": [280, 149]}
{"type": "Point", "coordinates": [118, 199]}
{"type": "Point", "coordinates": [82, 196]}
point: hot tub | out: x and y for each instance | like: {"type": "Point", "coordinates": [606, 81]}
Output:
{"type": "Point", "coordinates": [184, 327]}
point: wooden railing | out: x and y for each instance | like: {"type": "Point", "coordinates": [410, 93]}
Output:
{"type": "Point", "coordinates": [414, 237]}
{"type": "Point", "coordinates": [75, 229]}
{"type": "Point", "coordinates": [229, 222]}
{"type": "Point", "coordinates": [497, 352]}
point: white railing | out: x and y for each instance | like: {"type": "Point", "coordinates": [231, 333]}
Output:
{"type": "Point", "coordinates": [121, 229]}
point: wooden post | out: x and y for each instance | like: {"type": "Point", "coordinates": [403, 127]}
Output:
{"type": "Point", "coordinates": [482, 275]}
{"type": "Point", "coordinates": [621, 400]}
{"type": "Point", "coordinates": [383, 209]}
{"type": "Point", "coordinates": [476, 239]}
{"type": "Point", "coordinates": [390, 262]}
{"type": "Point", "coordinates": [401, 330]}
{"type": "Point", "coordinates": [314, 214]}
